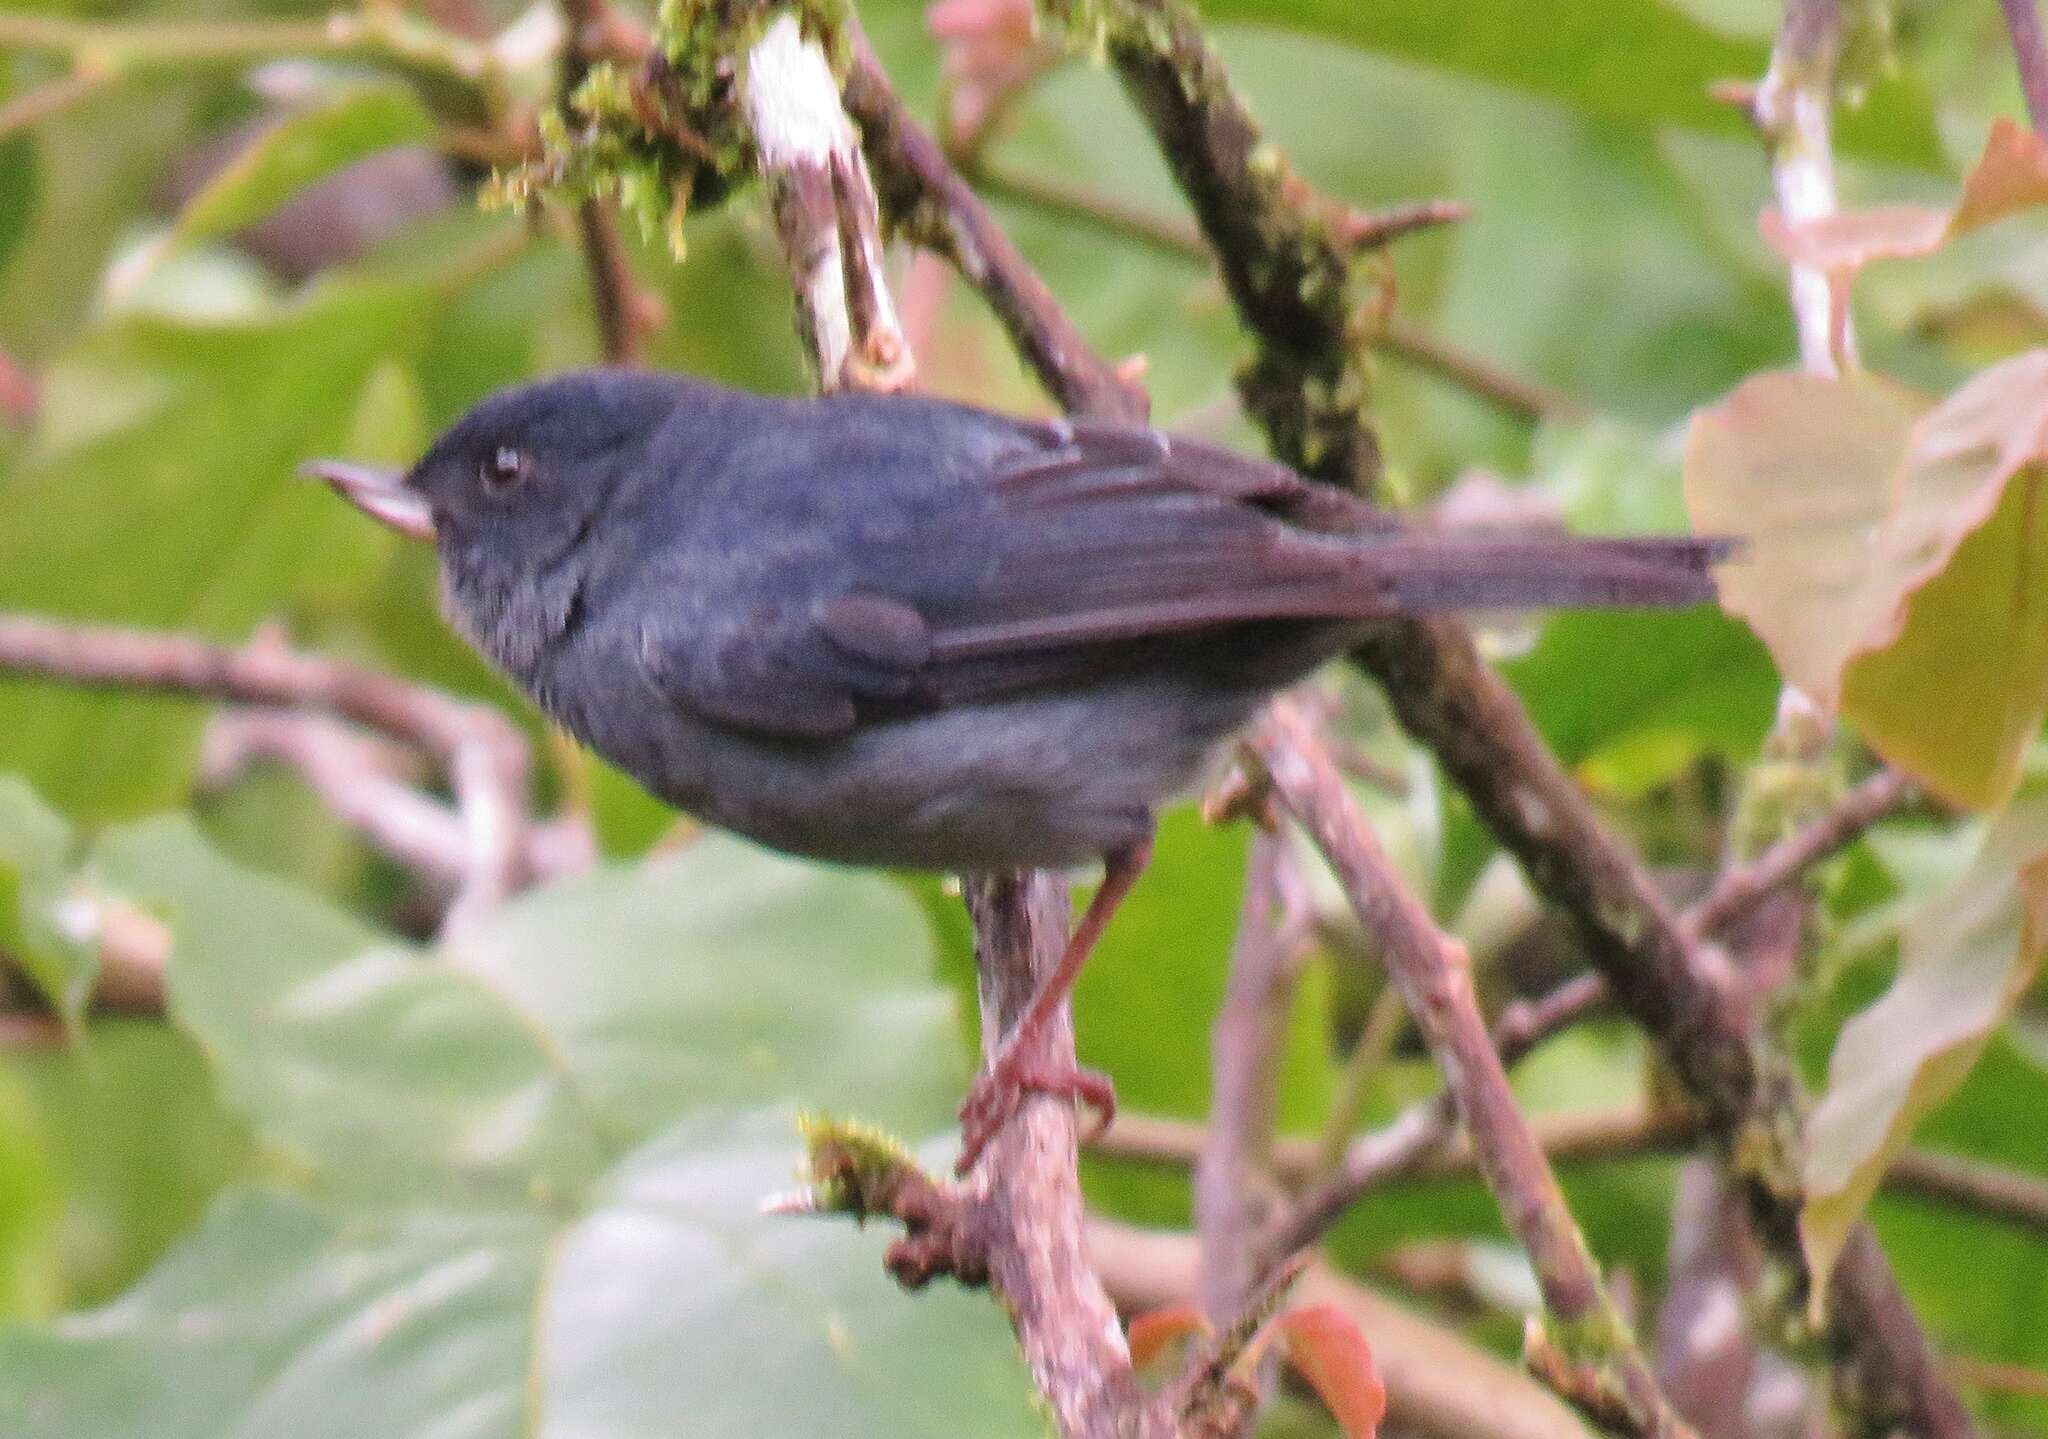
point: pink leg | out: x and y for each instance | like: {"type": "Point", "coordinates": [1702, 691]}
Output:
{"type": "Point", "coordinates": [1020, 1065]}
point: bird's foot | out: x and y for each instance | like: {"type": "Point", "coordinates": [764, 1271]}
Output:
{"type": "Point", "coordinates": [1016, 1072]}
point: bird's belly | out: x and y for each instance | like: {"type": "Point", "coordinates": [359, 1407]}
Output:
{"type": "Point", "coordinates": [1037, 783]}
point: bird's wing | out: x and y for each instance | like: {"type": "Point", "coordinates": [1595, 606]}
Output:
{"type": "Point", "coordinates": [1085, 553]}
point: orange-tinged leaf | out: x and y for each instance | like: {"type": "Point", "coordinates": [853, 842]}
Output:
{"type": "Point", "coordinates": [2011, 175]}
{"type": "Point", "coordinates": [1805, 470]}
{"type": "Point", "coordinates": [1893, 564]}
{"type": "Point", "coordinates": [1155, 1331]}
{"type": "Point", "coordinates": [1963, 962]}
{"type": "Point", "coordinates": [1328, 1350]}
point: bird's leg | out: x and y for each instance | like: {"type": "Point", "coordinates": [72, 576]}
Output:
{"type": "Point", "coordinates": [1021, 1065]}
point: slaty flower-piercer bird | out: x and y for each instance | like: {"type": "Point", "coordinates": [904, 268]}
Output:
{"type": "Point", "coordinates": [890, 630]}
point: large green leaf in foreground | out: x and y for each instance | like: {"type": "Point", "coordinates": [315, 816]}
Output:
{"type": "Point", "coordinates": [533, 1164]}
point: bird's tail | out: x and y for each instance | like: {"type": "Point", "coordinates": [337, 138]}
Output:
{"type": "Point", "coordinates": [1539, 571]}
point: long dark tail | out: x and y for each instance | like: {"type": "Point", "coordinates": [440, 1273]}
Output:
{"type": "Point", "coordinates": [1531, 571]}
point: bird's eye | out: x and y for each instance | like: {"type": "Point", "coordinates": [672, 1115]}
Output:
{"type": "Point", "coordinates": [504, 468]}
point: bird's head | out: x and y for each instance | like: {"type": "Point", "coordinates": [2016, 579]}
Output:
{"type": "Point", "coordinates": [513, 491]}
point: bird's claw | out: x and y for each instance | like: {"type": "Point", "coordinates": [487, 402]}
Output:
{"type": "Point", "coordinates": [1000, 1089]}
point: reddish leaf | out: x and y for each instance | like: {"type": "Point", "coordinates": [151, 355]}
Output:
{"type": "Point", "coordinates": [1847, 241]}
{"type": "Point", "coordinates": [2011, 175]}
{"type": "Point", "coordinates": [1328, 1350]}
{"type": "Point", "coordinates": [1155, 1331]}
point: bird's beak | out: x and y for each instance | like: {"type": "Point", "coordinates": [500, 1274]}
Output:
{"type": "Point", "coordinates": [380, 493]}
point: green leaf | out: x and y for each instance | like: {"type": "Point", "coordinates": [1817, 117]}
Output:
{"type": "Point", "coordinates": [1958, 697]}
{"type": "Point", "coordinates": [570, 1024]}
{"type": "Point", "coordinates": [669, 1296]}
{"type": "Point", "coordinates": [35, 864]}
{"type": "Point", "coordinates": [137, 1143]}
{"type": "Point", "coordinates": [535, 1161]}
{"type": "Point", "coordinates": [1962, 964]}
{"type": "Point", "coordinates": [1620, 60]}
{"type": "Point", "coordinates": [305, 146]}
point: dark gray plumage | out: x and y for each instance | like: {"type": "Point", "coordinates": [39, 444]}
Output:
{"type": "Point", "coordinates": [890, 630]}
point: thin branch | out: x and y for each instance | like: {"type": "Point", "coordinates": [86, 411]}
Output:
{"type": "Point", "coordinates": [35, 105]}
{"type": "Point", "coordinates": [1435, 977]}
{"type": "Point", "coordinates": [1244, 1052]}
{"type": "Point", "coordinates": [2009, 1194]}
{"type": "Point", "coordinates": [1400, 339]}
{"type": "Point", "coordinates": [826, 211]}
{"type": "Point", "coordinates": [369, 788]}
{"type": "Point", "coordinates": [463, 70]}
{"type": "Point", "coordinates": [1741, 888]}
{"type": "Point", "coordinates": [1572, 1137]}
{"type": "Point", "coordinates": [485, 758]}
{"type": "Point", "coordinates": [1524, 399]}
{"type": "Point", "coordinates": [1792, 111]}
{"type": "Point", "coordinates": [626, 312]}
{"type": "Point", "coordinates": [1427, 1129]}
{"type": "Point", "coordinates": [1016, 1219]}
{"type": "Point", "coordinates": [930, 202]}
{"type": "Point", "coordinates": [2023, 24]}
{"type": "Point", "coordinates": [1028, 1186]}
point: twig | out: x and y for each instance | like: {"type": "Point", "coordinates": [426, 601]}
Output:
{"type": "Point", "coordinates": [1706, 1356]}
{"type": "Point", "coordinates": [625, 311]}
{"type": "Point", "coordinates": [930, 202]}
{"type": "Point", "coordinates": [2023, 24]}
{"type": "Point", "coordinates": [33, 106]}
{"type": "Point", "coordinates": [1401, 339]}
{"type": "Point", "coordinates": [464, 71]}
{"type": "Point", "coordinates": [1426, 1129]}
{"type": "Point", "coordinates": [485, 758]}
{"type": "Point", "coordinates": [2001, 1378]}
{"type": "Point", "coordinates": [1742, 887]}
{"type": "Point", "coordinates": [1029, 1186]}
{"type": "Point", "coordinates": [1524, 399]}
{"type": "Point", "coordinates": [368, 788]}
{"type": "Point", "coordinates": [1435, 978]}
{"type": "Point", "coordinates": [1573, 1137]}
{"type": "Point", "coordinates": [1244, 1049]}
{"type": "Point", "coordinates": [826, 212]}
{"type": "Point", "coordinates": [1439, 1385]}
{"type": "Point", "coordinates": [1383, 1027]}
{"type": "Point", "coordinates": [1791, 110]}
{"type": "Point", "coordinates": [2009, 1194]}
